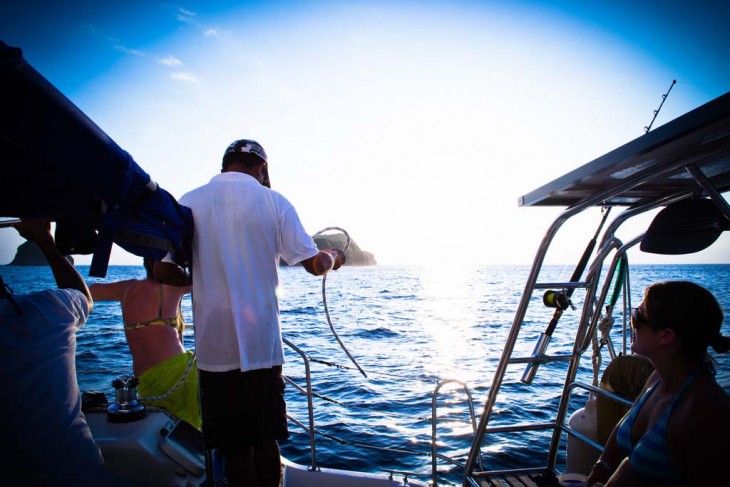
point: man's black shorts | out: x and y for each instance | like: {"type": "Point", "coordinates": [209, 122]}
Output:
{"type": "Point", "coordinates": [242, 409]}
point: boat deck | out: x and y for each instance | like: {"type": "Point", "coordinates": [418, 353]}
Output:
{"type": "Point", "coordinates": [509, 481]}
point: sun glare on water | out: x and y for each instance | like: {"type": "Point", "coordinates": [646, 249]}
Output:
{"type": "Point", "coordinates": [447, 315]}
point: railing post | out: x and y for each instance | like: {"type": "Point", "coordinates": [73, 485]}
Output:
{"type": "Point", "coordinates": [310, 406]}
{"type": "Point", "coordinates": [434, 420]}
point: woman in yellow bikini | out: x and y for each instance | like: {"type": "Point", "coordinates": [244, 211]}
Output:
{"type": "Point", "coordinates": [153, 325]}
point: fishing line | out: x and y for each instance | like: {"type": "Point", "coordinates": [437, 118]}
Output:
{"type": "Point", "coordinates": [324, 297]}
{"type": "Point", "coordinates": [372, 447]}
{"type": "Point", "coordinates": [434, 380]}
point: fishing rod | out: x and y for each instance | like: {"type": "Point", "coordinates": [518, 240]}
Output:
{"type": "Point", "coordinates": [324, 297]}
{"type": "Point", "coordinates": [656, 112]}
{"type": "Point", "coordinates": [561, 301]}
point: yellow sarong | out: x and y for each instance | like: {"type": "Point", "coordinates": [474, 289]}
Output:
{"type": "Point", "coordinates": [184, 403]}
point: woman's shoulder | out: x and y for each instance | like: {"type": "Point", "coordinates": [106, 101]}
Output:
{"type": "Point", "coordinates": [110, 291]}
{"type": "Point", "coordinates": [177, 290]}
{"type": "Point", "coordinates": [136, 288]}
{"type": "Point", "coordinates": [121, 283]}
{"type": "Point", "coordinates": [706, 401]}
{"type": "Point", "coordinates": [700, 429]}
{"type": "Point", "coordinates": [142, 284]}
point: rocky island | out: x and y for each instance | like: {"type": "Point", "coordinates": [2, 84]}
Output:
{"type": "Point", "coordinates": [29, 254]}
{"type": "Point", "coordinates": [354, 256]}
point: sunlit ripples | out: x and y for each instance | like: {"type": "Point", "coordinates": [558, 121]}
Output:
{"type": "Point", "coordinates": [409, 328]}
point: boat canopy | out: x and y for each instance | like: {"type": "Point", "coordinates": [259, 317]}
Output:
{"type": "Point", "coordinates": [681, 169]}
{"type": "Point", "coordinates": [58, 164]}
{"type": "Point", "coordinates": [659, 164]}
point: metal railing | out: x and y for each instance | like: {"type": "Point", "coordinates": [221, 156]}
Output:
{"type": "Point", "coordinates": [310, 407]}
{"type": "Point", "coordinates": [434, 423]}
{"type": "Point", "coordinates": [312, 431]}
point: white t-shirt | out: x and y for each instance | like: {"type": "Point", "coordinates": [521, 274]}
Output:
{"type": "Point", "coordinates": [47, 435]}
{"type": "Point", "coordinates": [242, 229]}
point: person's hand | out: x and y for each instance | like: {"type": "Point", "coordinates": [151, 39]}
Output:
{"type": "Point", "coordinates": [624, 476]}
{"type": "Point", "coordinates": [600, 472]}
{"type": "Point", "coordinates": [326, 260]}
{"type": "Point", "coordinates": [35, 230]}
{"type": "Point", "coordinates": [66, 275]}
{"type": "Point", "coordinates": [339, 258]}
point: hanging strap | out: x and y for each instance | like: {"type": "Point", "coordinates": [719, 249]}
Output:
{"type": "Point", "coordinates": [607, 322]}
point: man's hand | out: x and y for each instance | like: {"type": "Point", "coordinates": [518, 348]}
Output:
{"type": "Point", "coordinates": [36, 230]}
{"type": "Point", "coordinates": [339, 258]}
{"type": "Point", "coordinates": [324, 261]}
{"type": "Point", "coordinates": [66, 275]}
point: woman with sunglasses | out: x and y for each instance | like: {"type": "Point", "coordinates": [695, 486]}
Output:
{"type": "Point", "coordinates": [678, 431]}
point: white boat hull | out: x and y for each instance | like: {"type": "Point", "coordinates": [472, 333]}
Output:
{"type": "Point", "coordinates": [143, 452]}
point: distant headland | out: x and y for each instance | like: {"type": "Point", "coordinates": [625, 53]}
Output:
{"type": "Point", "coordinates": [29, 254]}
{"type": "Point", "coordinates": [354, 256]}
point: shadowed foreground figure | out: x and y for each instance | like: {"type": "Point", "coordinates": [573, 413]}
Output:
{"type": "Point", "coordinates": [46, 440]}
{"type": "Point", "coordinates": [678, 431]}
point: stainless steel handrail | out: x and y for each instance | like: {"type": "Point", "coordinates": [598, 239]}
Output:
{"type": "Point", "coordinates": [566, 428]}
{"type": "Point", "coordinates": [475, 449]}
{"type": "Point", "coordinates": [434, 422]}
{"type": "Point", "coordinates": [592, 309]}
{"type": "Point", "coordinates": [540, 359]}
{"type": "Point", "coordinates": [564, 285]}
{"type": "Point", "coordinates": [310, 406]}
{"type": "Point", "coordinates": [584, 325]}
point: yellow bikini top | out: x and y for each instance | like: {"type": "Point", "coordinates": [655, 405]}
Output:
{"type": "Point", "coordinates": [177, 322]}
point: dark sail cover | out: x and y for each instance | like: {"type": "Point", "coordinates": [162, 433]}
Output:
{"type": "Point", "coordinates": [58, 164]}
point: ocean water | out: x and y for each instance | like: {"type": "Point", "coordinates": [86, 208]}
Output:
{"type": "Point", "coordinates": [409, 328]}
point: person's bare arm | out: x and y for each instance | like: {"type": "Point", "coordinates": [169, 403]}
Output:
{"type": "Point", "coordinates": [65, 274]}
{"type": "Point", "coordinates": [324, 261]}
{"type": "Point", "coordinates": [608, 462]}
{"type": "Point", "coordinates": [613, 460]}
{"type": "Point", "coordinates": [183, 290]}
{"type": "Point", "coordinates": [625, 476]}
{"type": "Point", "coordinates": [112, 291]}
{"type": "Point", "coordinates": [171, 274]}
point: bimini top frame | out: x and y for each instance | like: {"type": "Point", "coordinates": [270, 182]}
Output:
{"type": "Point", "coordinates": [650, 167]}
{"type": "Point", "coordinates": [686, 158]}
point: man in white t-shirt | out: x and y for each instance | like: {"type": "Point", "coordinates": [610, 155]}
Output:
{"type": "Point", "coordinates": [242, 230]}
{"type": "Point", "coordinates": [45, 435]}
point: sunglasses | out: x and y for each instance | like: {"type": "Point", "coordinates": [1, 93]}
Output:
{"type": "Point", "coordinates": [636, 318]}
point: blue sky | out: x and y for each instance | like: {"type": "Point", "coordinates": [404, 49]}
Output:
{"type": "Point", "coordinates": [413, 125]}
